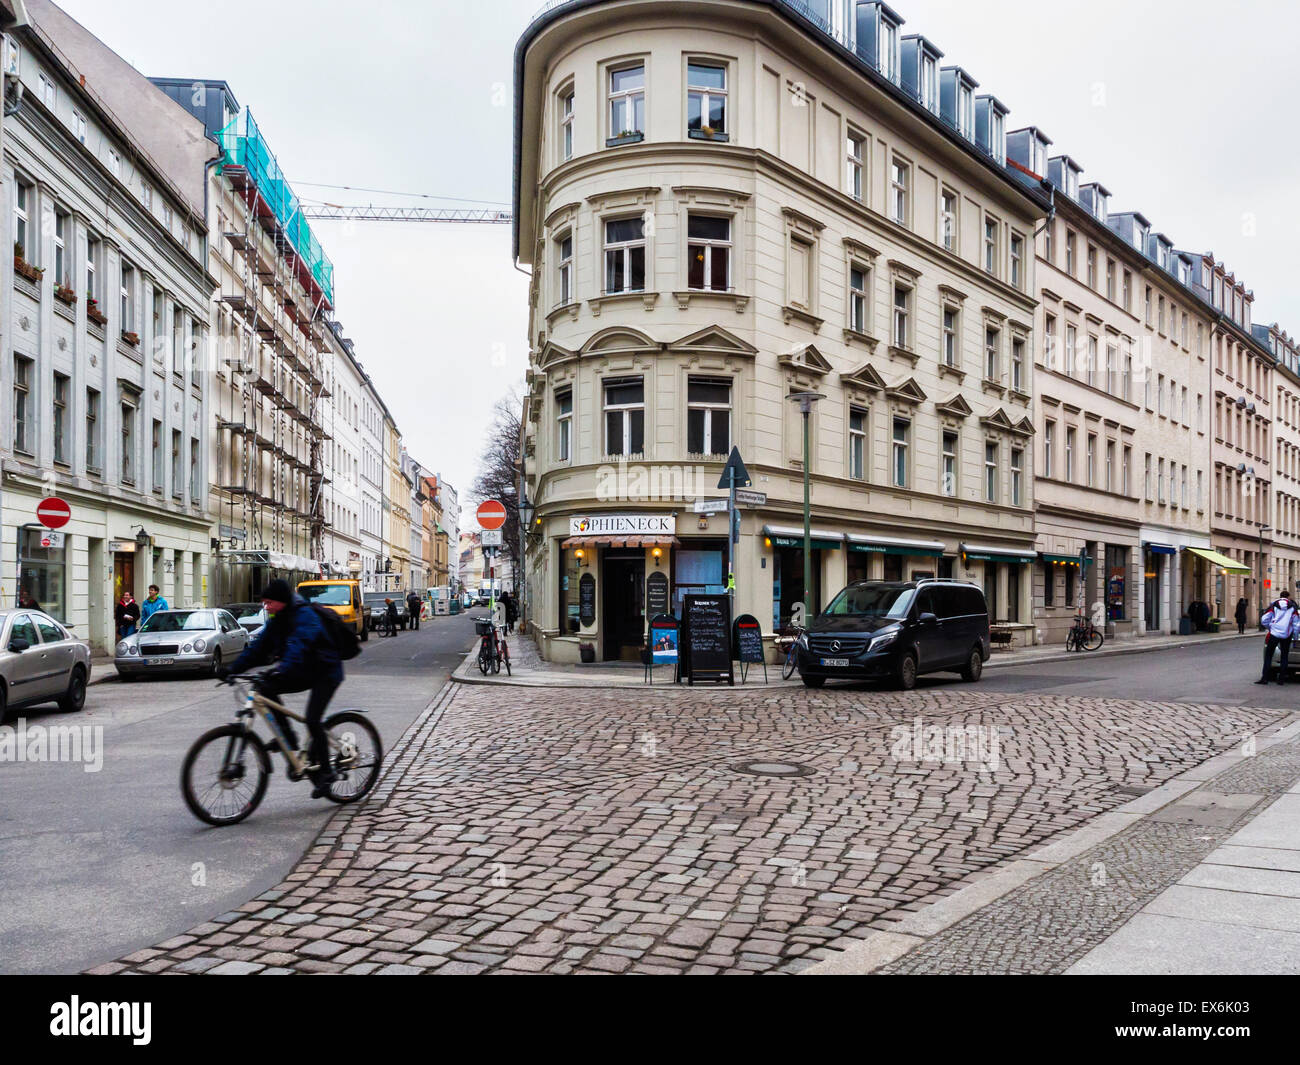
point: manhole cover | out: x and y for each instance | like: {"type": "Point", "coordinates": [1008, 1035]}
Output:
{"type": "Point", "coordinates": [775, 769]}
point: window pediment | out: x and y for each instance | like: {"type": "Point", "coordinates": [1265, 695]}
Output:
{"type": "Point", "coordinates": [907, 391]}
{"type": "Point", "coordinates": [616, 198]}
{"type": "Point", "coordinates": [865, 376]}
{"type": "Point", "coordinates": [956, 407]}
{"type": "Point", "coordinates": [620, 340]}
{"type": "Point", "coordinates": [807, 359]}
{"type": "Point", "coordinates": [714, 340]}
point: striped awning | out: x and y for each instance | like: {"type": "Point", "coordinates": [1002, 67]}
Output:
{"type": "Point", "coordinates": [621, 541]}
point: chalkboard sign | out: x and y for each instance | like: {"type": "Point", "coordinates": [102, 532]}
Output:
{"type": "Point", "coordinates": [748, 639]}
{"type": "Point", "coordinates": [587, 599]}
{"type": "Point", "coordinates": [706, 638]}
{"type": "Point", "coordinates": [656, 594]}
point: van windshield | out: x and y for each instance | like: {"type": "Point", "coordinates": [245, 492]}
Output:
{"type": "Point", "coordinates": [327, 594]}
{"type": "Point", "coordinates": [872, 601]}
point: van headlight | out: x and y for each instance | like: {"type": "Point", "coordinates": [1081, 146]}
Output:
{"type": "Point", "coordinates": [883, 640]}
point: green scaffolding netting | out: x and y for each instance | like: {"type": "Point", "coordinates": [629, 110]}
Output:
{"type": "Point", "coordinates": [242, 145]}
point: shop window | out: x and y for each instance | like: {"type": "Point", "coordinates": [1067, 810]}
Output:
{"type": "Point", "coordinates": [697, 572]}
{"type": "Point", "coordinates": [571, 570]}
{"type": "Point", "coordinates": [41, 573]}
{"type": "Point", "coordinates": [1049, 583]}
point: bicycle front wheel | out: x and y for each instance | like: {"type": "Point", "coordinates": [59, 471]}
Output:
{"type": "Point", "coordinates": [1069, 640]}
{"type": "Point", "coordinates": [791, 660]}
{"type": "Point", "coordinates": [224, 775]}
{"type": "Point", "coordinates": [1093, 640]}
{"type": "Point", "coordinates": [356, 755]}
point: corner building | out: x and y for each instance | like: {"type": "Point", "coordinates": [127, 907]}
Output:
{"type": "Point", "coordinates": [723, 203]}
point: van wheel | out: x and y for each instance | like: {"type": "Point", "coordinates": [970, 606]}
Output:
{"type": "Point", "coordinates": [365, 633]}
{"type": "Point", "coordinates": [812, 682]}
{"type": "Point", "coordinates": [905, 673]}
{"type": "Point", "coordinates": [974, 667]}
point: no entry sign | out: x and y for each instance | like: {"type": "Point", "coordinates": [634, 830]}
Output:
{"type": "Point", "coordinates": [491, 514]}
{"type": "Point", "coordinates": [53, 512]}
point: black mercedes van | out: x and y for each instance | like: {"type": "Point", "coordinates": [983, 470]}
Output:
{"type": "Point", "coordinates": [897, 630]}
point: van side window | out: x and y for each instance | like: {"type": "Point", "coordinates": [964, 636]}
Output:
{"type": "Point", "coordinates": [973, 601]}
{"type": "Point", "coordinates": [925, 602]}
{"type": "Point", "coordinates": [948, 602]}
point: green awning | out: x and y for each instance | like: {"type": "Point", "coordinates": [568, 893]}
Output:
{"type": "Point", "coordinates": [892, 549]}
{"type": "Point", "coordinates": [1061, 560]}
{"type": "Point", "coordinates": [817, 545]}
{"type": "Point", "coordinates": [985, 553]}
{"type": "Point", "coordinates": [1222, 561]}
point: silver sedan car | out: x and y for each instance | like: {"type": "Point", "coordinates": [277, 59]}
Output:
{"type": "Point", "coordinates": [181, 641]}
{"type": "Point", "coordinates": [40, 662]}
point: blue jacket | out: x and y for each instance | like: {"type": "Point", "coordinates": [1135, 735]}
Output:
{"type": "Point", "coordinates": [147, 608]}
{"type": "Point", "coordinates": [295, 639]}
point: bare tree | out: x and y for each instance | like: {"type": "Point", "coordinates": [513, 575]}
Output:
{"type": "Point", "coordinates": [499, 466]}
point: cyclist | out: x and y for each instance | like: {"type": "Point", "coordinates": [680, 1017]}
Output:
{"type": "Point", "coordinates": [296, 640]}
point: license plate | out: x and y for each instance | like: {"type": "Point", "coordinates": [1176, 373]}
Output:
{"type": "Point", "coordinates": [160, 661]}
{"type": "Point", "coordinates": [835, 661]}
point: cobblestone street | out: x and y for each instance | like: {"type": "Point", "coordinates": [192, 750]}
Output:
{"type": "Point", "coordinates": [589, 831]}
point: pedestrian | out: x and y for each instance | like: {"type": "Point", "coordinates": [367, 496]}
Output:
{"type": "Point", "coordinates": [1241, 616]}
{"type": "Point", "coordinates": [413, 608]}
{"type": "Point", "coordinates": [512, 611]}
{"type": "Point", "coordinates": [152, 604]}
{"type": "Point", "coordinates": [1281, 622]}
{"type": "Point", "coordinates": [27, 601]}
{"type": "Point", "coordinates": [390, 616]}
{"type": "Point", "coordinates": [126, 614]}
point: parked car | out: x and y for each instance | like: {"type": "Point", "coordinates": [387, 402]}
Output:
{"type": "Point", "coordinates": [377, 602]}
{"type": "Point", "coordinates": [897, 630]}
{"type": "Point", "coordinates": [341, 596]}
{"type": "Point", "coordinates": [40, 662]}
{"type": "Point", "coordinates": [181, 641]}
{"type": "Point", "coordinates": [252, 616]}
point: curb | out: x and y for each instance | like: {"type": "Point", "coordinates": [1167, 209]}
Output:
{"type": "Point", "coordinates": [1105, 651]}
{"type": "Point", "coordinates": [881, 948]}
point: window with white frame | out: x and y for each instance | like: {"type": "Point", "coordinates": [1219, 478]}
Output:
{"type": "Point", "coordinates": [951, 351]}
{"type": "Point", "coordinates": [1017, 477]}
{"type": "Point", "coordinates": [1146, 478]}
{"type": "Point", "coordinates": [23, 203]}
{"type": "Point", "coordinates": [901, 441]}
{"type": "Point", "coordinates": [566, 124]}
{"type": "Point", "coordinates": [990, 472]}
{"type": "Point", "coordinates": [1071, 243]}
{"type": "Point", "coordinates": [708, 253]}
{"type": "Point", "coordinates": [706, 97]}
{"type": "Point", "coordinates": [991, 246]}
{"type": "Point", "coordinates": [1092, 267]}
{"type": "Point", "coordinates": [855, 162]}
{"type": "Point", "coordinates": [79, 131]}
{"type": "Point", "coordinates": [1110, 279]}
{"type": "Point", "coordinates": [1049, 446]}
{"type": "Point", "coordinates": [801, 282]}
{"type": "Point", "coordinates": [624, 416]}
{"type": "Point", "coordinates": [62, 384]}
{"type": "Point", "coordinates": [1092, 461]}
{"type": "Point", "coordinates": [708, 415]}
{"type": "Point", "coordinates": [1071, 349]}
{"type": "Point", "coordinates": [948, 471]}
{"type": "Point", "coordinates": [857, 443]}
{"type": "Point", "coordinates": [127, 302]}
{"type": "Point", "coordinates": [1126, 470]}
{"type": "Point", "coordinates": [625, 255]}
{"type": "Point", "coordinates": [1069, 453]}
{"type": "Point", "coordinates": [858, 275]}
{"type": "Point", "coordinates": [1017, 260]}
{"type": "Point", "coordinates": [948, 208]}
{"type": "Point", "coordinates": [1112, 369]}
{"type": "Point", "coordinates": [887, 49]}
{"type": "Point", "coordinates": [1049, 341]}
{"type": "Point", "coordinates": [146, 195]}
{"type": "Point", "coordinates": [929, 83]}
{"type": "Point", "coordinates": [900, 176]}
{"type": "Point", "coordinates": [627, 100]}
{"type": "Point", "coordinates": [902, 317]}
{"type": "Point", "coordinates": [564, 268]}
{"type": "Point", "coordinates": [24, 438]}
{"type": "Point", "coordinates": [1018, 364]}
{"type": "Point", "coordinates": [1091, 373]}
{"type": "Point", "coordinates": [92, 430]}
{"type": "Point", "coordinates": [62, 262]}
{"type": "Point", "coordinates": [128, 414]}
{"type": "Point", "coordinates": [49, 95]}
{"type": "Point", "coordinates": [992, 354]}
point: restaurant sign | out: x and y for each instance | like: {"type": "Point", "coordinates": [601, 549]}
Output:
{"type": "Point", "coordinates": [624, 525]}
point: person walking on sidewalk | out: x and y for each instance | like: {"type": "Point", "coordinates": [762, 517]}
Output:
{"type": "Point", "coordinates": [1241, 616]}
{"type": "Point", "coordinates": [413, 608]}
{"type": "Point", "coordinates": [153, 604]}
{"type": "Point", "coordinates": [1282, 623]}
{"type": "Point", "coordinates": [512, 610]}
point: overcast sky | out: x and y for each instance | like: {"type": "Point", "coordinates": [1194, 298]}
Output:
{"type": "Point", "coordinates": [1183, 109]}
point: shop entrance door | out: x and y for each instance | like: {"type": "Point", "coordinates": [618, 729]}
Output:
{"type": "Point", "coordinates": [623, 606]}
{"type": "Point", "coordinates": [1151, 604]}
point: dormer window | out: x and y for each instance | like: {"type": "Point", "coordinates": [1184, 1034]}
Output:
{"type": "Point", "coordinates": [997, 136]}
{"type": "Point", "coordinates": [930, 84]}
{"type": "Point", "coordinates": [887, 48]}
{"type": "Point", "coordinates": [965, 112]}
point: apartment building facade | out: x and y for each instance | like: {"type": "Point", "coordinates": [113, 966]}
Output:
{"type": "Point", "coordinates": [1282, 567]}
{"type": "Point", "coordinates": [396, 567]}
{"type": "Point", "coordinates": [341, 417]}
{"type": "Point", "coordinates": [723, 212]}
{"type": "Point", "coordinates": [103, 308]}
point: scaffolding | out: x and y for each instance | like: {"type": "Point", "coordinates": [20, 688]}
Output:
{"type": "Point", "coordinates": [270, 475]}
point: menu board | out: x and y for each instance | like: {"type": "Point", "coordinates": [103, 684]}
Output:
{"type": "Point", "coordinates": [748, 639]}
{"type": "Point", "coordinates": [656, 594]}
{"type": "Point", "coordinates": [587, 599]}
{"type": "Point", "coordinates": [706, 638]}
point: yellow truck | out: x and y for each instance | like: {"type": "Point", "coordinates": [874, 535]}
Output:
{"type": "Point", "coordinates": [344, 598]}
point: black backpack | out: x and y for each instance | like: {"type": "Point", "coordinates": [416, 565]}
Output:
{"type": "Point", "coordinates": [345, 642]}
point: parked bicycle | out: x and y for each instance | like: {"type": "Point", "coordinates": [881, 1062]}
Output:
{"type": "Point", "coordinates": [493, 652]}
{"type": "Point", "coordinates": [226, 772]}
{"type": "Point", "coordinates": [1083, 635]}
{"type": "Point", "coordinates": [789, 641]}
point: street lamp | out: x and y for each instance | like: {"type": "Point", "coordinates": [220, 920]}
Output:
{"type": "Point", "coordinates": [1262, 530]}
{"type": "Point", "coordinates": [526, 512]}
{"type": "Point", "coordinates": [806, 401]}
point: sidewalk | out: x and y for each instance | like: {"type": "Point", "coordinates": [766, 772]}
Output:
{"type": "Point", "coordinates": [1198, 876]}
{"type": "Point", "coordinates": [528, 670]}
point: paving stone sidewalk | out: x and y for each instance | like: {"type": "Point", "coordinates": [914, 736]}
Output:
{"type": "Point", "coordinates": [620, 831]}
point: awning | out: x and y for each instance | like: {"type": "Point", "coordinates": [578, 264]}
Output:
{"type": "Point", "coordinates": [792, 536]}
{"type": "Point", "coordinates": [1222, 561]}
{"type": "Point", "coordinates": [885, 545]}
{"type": "Point", "coordinates": [986, 553]}
{"type": "Point", "coordinates": [621, 541]}
{"type": "Point", "coordinates": [1159, 549]}
{"type": "Point", "coordinates": [1061, 560]}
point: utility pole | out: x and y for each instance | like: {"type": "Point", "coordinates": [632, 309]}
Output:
{"type": "Point", "coordinates": [806, 401]}
{"type": "Point", "coordinates": [1262, 529]}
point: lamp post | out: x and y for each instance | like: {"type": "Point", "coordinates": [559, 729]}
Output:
{"type": "Point", "coordinates": [1262, 530]}
{"type": "Point", "coordinates": [526, 512]}
{"type": "Point", "coordinates": [806, 401]}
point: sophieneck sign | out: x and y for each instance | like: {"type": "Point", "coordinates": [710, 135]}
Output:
{"type": "Point", "coordinates": [623, 525]}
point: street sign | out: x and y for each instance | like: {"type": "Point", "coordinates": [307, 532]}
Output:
{"type": "Point", "coordinates": [52, 539]}
{"type": "Point", "coordinates": [491, 538]}
{"type": "Point", "coordinates": [737, 464]}
{"type": "Point", "coordinates": [53, 512]}
{"type": "Point", "coordinates": [750, 498]}
{"type": "Point", "coordinates": [709, 506]}
{"type": "Point", "coordinates": [491, 514]}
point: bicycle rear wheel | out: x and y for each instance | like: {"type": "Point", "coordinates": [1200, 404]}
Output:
{"type": "Point", "coordinates": [1093, 640]}
{"type": "Point", "coordinates": [224, 776]}
{"type": "Point", "coordinates": [1070, 640]}
{"type": "Point", "coordinates": [356, 755]}
{"type": "Point", "coordinates": [505, 655]}
{"type": "Point", "coordinates": [791, 660]}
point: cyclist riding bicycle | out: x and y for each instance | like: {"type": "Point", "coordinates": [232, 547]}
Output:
{"type": "Point", "coordinates": [305, 658]}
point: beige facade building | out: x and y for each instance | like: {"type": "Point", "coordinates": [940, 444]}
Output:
{"type": "Point", "coordinates": [396, 568]}
{"type": "Point", "coordinates": [733, 206]}
{"type": "Point", "coordinates": [1283, 568]}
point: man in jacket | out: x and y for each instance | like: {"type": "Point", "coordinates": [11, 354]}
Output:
{"type": "Point", "coordinates": [296, 640]}
{"type": "Point", "coordinates": [154, 603]}
{"type": "Point", "coordinates": [1282, 622]}
{"type": "Point", "coordinates": [413, 609]}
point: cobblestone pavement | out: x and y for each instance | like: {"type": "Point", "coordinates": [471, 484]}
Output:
{"type": "Point", "coordinates": [581, 831]}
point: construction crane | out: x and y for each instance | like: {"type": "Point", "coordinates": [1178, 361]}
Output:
{"type": "Point", "coordinates": [404, 214]}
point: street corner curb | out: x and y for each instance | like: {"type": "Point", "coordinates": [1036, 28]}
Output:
{"type": "Point", "coordinates": [1128, 647]}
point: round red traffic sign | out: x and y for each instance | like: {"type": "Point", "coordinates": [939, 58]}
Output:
{"type": "Point", "coordinates": [491, 514]}
{"type": "Point", "coordinates": [53, 512]}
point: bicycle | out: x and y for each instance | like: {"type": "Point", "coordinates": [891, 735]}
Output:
{"type": "Point", "coordinates": [789, 639]}
{"type": "Point", "coordinates": [225, 773]}
{"type": "Point", "coordinates": [493, 651]}
{"type": "Point", "coordinates": [1083, 635]}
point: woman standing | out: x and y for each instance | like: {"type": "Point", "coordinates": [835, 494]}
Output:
{"type": "Point", "coordinates": [126, 614]}
{"type": "Point", "coordinates": [1241, 617]}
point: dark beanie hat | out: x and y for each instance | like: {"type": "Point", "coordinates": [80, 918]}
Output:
{"type": "Point", "coordinates": [278, 591]}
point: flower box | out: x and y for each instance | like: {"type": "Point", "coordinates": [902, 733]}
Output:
{"type": "Point", "coordinates": [625, 137]}
{"type": "Point", "coordinates": [706, 133]}
{"type": "Point", "coordinates": [93, 312]}
{"type": "Point", "coordinates": [131, 338]}
{"type": "Point", "coordinates": [25, 269]}
{"type": "Point", "coordinates": [66, 293]}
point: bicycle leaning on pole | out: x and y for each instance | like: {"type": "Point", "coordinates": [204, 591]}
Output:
{"type": "Point", "coordinates": [1083, 635]}
{"type": "Point", "coordinates": [492, 648]}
